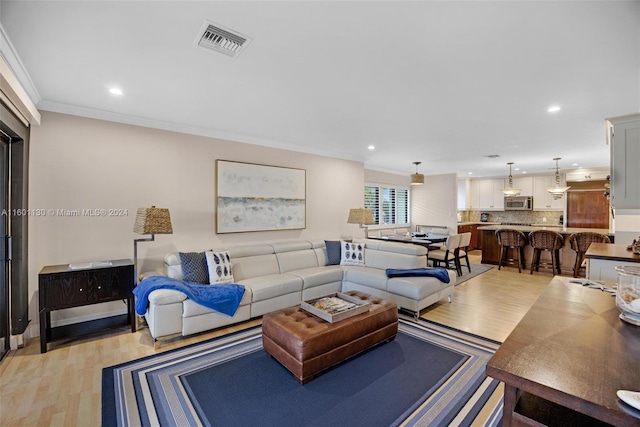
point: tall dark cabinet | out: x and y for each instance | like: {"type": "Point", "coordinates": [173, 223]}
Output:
{"type": "Point", "coordinates": [14, 172]}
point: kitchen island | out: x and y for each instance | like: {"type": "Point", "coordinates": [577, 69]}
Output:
{"type": "Point", "coordinates": [491, 249]}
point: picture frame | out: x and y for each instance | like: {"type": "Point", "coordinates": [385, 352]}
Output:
{"type": "Point", "coordinates": [256, 197]}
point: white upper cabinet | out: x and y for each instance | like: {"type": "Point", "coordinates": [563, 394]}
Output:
{"type": "Point", "coordinates": [524, 183]}
{"type": "Point", "coordinates": [486, 194]}
{"type": "Point", "coordinates": [463, 194]}
{"type": "Point", "coordinates": [542, 199]}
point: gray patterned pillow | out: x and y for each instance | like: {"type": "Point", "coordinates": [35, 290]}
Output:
{"type": "Point", "coordinates": [219, 264]}
{"type": "Point", "coordinates": [194, 267]}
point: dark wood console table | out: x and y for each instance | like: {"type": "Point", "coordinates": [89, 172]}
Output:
{"type": "Point", "coordinates": [564, 362]}
{"type": "Point", "coordinates": [60, 287]}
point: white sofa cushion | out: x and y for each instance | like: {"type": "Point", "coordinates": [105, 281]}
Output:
{"type": "Point", "coordinates": [372, 277]}
{"type": "Point", "coordinates": [254, 266]}
{"type": "Point", "coordinates": [417, 288]}
{"type": "Point", "coordinates": [265, 287]}
{"type": "Point", "coordinates": [166, 296]}
{"type": "Point", "coordinates": [318, 276]}
{"type": "Point", "coordinates": [191, 308]}
{"type": "Point", "coordinates": [297, 260]}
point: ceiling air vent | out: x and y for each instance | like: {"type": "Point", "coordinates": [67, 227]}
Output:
{"type": "Point", "coordinates": [216, 37]}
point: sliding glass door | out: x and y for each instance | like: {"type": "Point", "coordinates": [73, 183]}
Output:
{"type": "Point", "coordinates": [14, 288]}
{"type": "Point", "coordinates": [4, 271]}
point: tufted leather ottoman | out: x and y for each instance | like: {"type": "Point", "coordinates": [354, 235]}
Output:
{"type": "Point", "coordinates": [307, 345]}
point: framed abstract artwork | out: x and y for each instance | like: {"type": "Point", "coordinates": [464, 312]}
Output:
{"type": "Point", "coordinates": [252, 197]}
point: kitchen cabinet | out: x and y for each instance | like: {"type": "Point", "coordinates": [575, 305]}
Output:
{"type": "Point", "coordinates": [473, 229]}
{"type": "Point", "coordinates": [524, 183]}
{"type": "Point", "coordinates": [463, 191]}
{"type": "Point", "coordinates": [587, 175]}
{"type": "Point", "coordinates": [624, 139]}
{"type": "Point", "coordinates": [486, 194]}
{"type": "Point", "coordinates": [542, 199]}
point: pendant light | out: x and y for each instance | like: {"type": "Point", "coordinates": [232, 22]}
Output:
{"type": "Point", "coordinates": [417, 178]}
{"type": "Point", "coordinates": [557, 192]}
{"type": "Point", "coordinates": [510, 191]}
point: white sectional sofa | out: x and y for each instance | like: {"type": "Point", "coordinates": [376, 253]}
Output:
{"type": "Point", "coordinates": [283, 274]}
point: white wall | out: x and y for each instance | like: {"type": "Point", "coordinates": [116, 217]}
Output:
{"type": "Point", "coordinates": [435, 202]}
{"type": "Point", "coordinates": [80, 163]}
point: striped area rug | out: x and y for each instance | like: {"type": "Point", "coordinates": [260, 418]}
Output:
{"type": "Point", "coordinates": [158, 390]}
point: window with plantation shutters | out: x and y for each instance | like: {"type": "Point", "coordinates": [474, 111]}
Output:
{"type": "Point", "coordinates": [372, 201]}
{"type": "Point", "coordinates": [390, 205]}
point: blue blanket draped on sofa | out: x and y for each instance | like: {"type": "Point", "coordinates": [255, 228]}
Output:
{"type": "Point", "coordinates": [224, 298]}
{"type": "Point", "coordinates": [439, 273]}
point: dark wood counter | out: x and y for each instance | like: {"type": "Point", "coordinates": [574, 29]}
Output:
{"type": "Point", "coordinates": [611, 253]}
{"type": "Point", "coordinates": [602, 260]}
{"type": "Point", "coordinates": [564, 362]}
{"type": "Point", "coordinates": [491, 249]}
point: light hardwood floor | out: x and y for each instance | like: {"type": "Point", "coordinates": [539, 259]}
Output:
{"type": "Point", "coordinates": [63, 386]}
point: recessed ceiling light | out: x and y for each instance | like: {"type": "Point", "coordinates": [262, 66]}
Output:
{"type": "Point", "coordinates": [115, 91]}
{"type": "Point", "coordinates": [575, 164]}
{"type": "Point", "coordinates": [554, 109]}
{"type": "Point", "coordinates": [371, 147]}
{"type": "Point", "coordinates": [517, 169]}
{"type": "Point", "coordinates": [524, 171]}
{"type": "Point", "coordinates": [469, 173]}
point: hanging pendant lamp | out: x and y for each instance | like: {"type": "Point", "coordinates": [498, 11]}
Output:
{"type": "Point", "coordinates": [557, 192]}
{"type": "Point", "coordinates": [417, 178]}
{"type": "Point", "coordinates": [510, 191]}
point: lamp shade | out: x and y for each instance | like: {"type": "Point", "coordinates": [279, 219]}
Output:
{"type": "Point", "coordinates": [417, 179]}
{"type": "Point", "coordinates": [360, 216]}
{"type": "Point", "coordinates": [557, 191]}
{"type": "Point", "coordinates": [510, 191]}
{"type": "Point", "coordinates": [153, 221]}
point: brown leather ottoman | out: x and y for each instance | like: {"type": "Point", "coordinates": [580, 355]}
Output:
{"type": "Point", "coordinates": [307, 345]}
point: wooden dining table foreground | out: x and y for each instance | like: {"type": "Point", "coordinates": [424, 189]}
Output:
{"type": "Point", "coordinates": [566, 359]}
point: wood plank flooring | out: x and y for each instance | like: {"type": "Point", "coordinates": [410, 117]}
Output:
{"type": "Point", "coordinates": [63, 386]}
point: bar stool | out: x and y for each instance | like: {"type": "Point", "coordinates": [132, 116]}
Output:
{"type": "Point", "coordinates": [580, 242]}
{"type": "Point", "coordinates": [509, 238]}
{"type": "Point", "coordinates": [548, 241]}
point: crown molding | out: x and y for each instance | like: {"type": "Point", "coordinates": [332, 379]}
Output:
{"type": "Point", "coordinates": [110, 116]}
{"type": "Point", "coordinates": [10, 56]}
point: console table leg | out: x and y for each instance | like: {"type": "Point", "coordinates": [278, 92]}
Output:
{"type": "Point", "coordinates": [43, 331]}
{"type": "Point", "coordinates": [510, 400]}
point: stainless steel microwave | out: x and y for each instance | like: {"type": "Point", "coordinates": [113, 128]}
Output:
{"type": "Point", "coordinates": [520, 203]}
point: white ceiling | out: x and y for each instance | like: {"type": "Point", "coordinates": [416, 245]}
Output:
{"type": "Point", "coordinates": [445, 83]}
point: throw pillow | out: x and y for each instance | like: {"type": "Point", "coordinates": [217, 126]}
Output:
{"type": "Point", "coordinates": [194, 267]}
{"type": "Point", "coordinates": [333, 251]}
{"type": "Point", "coordinates": [219, 264]}
{"type": "Point", "coordinates": [351, 253]}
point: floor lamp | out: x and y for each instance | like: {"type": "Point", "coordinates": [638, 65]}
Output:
{"type": "Point", "coordinates": [361, 217]}
{"type": "Point", "coordinates": [149, 221]}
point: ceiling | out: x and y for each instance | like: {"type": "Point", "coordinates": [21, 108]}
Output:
{"type": "Point", "coordinates": [444, 83]}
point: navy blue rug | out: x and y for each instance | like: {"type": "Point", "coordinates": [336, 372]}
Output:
{"type": "Point", "coordinates": [427, 375]}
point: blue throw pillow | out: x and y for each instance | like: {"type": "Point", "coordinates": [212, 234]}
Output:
{"type": "Point", "coordinates": [194, 267]}
{"type": "Point", "coordinates": [333, 252]}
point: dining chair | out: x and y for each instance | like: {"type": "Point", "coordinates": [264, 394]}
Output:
{"type": "Point", "coordinates": [463, 249]}
{"type": "Point", "coordinates": [446, 254]}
